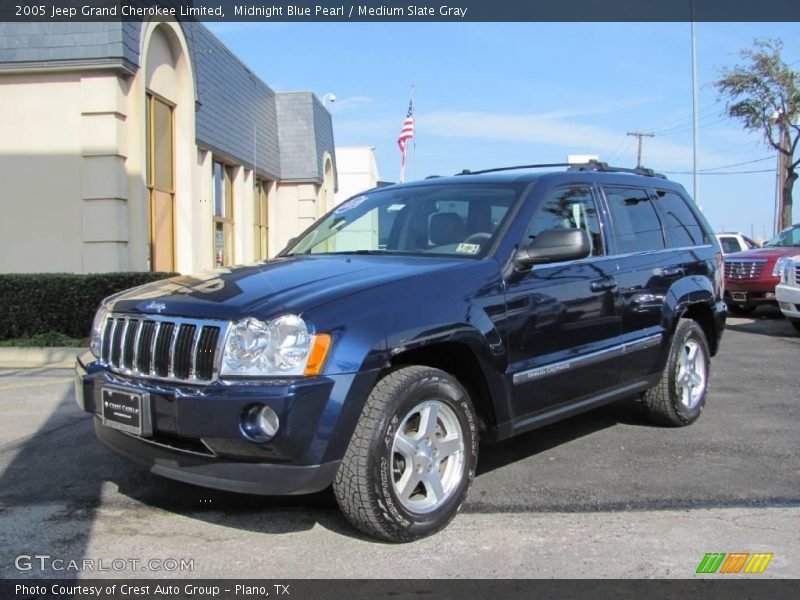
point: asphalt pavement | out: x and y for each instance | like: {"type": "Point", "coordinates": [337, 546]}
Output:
{"type": "Point", "coordinates": [604, 494]}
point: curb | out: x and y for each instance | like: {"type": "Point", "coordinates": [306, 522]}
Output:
{"type": "Point", "coordinates": [54, 358]}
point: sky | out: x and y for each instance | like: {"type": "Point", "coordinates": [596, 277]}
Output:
{"type": "Point", "coordinates": [499, 94]}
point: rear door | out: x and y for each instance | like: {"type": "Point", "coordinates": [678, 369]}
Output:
{"type": "Point", "coordinates": [563, 316]}
{"type": "Point", "coordinates": [656, 236]}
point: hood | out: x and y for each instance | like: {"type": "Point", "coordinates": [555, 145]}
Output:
{"type": "Point", "coordinates": [769, 252]}
{"type": "Point", "coordinates": [293, 284]}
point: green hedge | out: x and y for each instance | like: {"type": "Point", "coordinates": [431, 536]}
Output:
{"type": "Point", "coordinates": [65, 303]}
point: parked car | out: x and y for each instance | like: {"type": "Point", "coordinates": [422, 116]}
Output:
{"type": "Point", "coordinates": [788, 291]}
{"type": "Point", "coordinates": [735, 242]}
{"type": "Point", "coordinates": [495, 303]}
{"type": "Point", "coordinates": [751, 276]}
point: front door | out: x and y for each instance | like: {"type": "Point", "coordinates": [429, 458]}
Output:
{"type": "Point", "coordinates": [564, 317]}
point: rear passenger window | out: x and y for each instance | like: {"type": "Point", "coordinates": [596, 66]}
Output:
{"type": "Point", "coordinates": [636, 224]}
{"type": "Point", "coordinates": [680, 224]}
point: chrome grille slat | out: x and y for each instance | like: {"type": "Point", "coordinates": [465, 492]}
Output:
{"type": "Point", "coordinates": [108, 332]}
{"type": "Point", "coordinates": [128, 342]}
{"type": "Point", "coordinates": [116, 342]}
{"type": "Point", "coordinates": [137, 340]}
{"type": "Point", "coordinates": [198, 331]}
{"type": "Point", "coordinates": [164, 348]}
{"type": "Point", "coordinates": [744, 268]}
{"type": "Point", "coordinates": [172, 346]}
{"type": "Point", "coordinates": [153, 349]}
{"type": "Point", "coordinates": [797, 274]}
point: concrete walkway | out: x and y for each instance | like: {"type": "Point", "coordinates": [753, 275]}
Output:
{"type": "Point", "coordinates": [54, 358]}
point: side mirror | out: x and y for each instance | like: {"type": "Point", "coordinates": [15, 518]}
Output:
{"type": "Point", "coordinates": [554, 245]}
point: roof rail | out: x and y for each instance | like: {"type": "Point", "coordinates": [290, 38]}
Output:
{"type": "Point", "coordinates": [596, 165]}
{"type": "Point", "coordinates": [497, 169]}
{"type": "Point", "coordinates": [592, 165]}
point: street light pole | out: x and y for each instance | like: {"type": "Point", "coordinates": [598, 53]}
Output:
{"type": "Point", "coordinates": [695, 128]}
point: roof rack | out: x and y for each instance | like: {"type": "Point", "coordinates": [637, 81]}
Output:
{"type": "Point", "coordinates": [592, 165]}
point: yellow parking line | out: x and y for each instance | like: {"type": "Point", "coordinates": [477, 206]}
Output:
{"type": "Point", "coordinates": [32, 384]}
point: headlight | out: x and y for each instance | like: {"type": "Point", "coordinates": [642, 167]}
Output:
{"type": "Point", "coordinates": [281, 347]}
{"type": "Point", "coordinates": [98, 324]}
{"type": "Point", "coordinates": [779, 264]}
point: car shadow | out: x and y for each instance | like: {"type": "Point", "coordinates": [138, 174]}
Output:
{"type": "Point", "coordinates": [498, 455]}
{"type": "Point", "coordinates": [766, 320]}
{"type": "Point", "coordinates": [58, 480]}
{"type": "Point", "coordinates": [64, 468]}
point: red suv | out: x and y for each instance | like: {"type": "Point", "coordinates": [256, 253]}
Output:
{"type": "Point", "coordinates": [751, 276]}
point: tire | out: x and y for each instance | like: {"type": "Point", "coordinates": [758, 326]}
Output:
{"type": "Point", "coordinates": [741, 309]}
{"type": "Point", "coordinates": [413, 416]}
{"type": "Point", "coordinates": [680, 396]}
{"type": "Point", "coordinates": [796, 324]}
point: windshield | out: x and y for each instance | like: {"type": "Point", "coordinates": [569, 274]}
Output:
{"type": "Point", "coordinates": [450, 220]}
{"type": "Point", "coordinates": [788, 237]}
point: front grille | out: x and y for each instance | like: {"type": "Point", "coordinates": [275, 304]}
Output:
{"type": "Point", "coordinates": [797, 273]}
{"type": "Point", "coordinates": [169, 348]}
{"type": "Point", "coordinates": [743, 269]}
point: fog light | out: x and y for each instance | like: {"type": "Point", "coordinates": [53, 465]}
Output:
{"type": "Point", "coordinates": [259, 423]}
{"type": "Point", "coordinates": [268, 421]}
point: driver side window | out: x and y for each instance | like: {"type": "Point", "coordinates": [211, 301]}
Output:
{"type": "Point", "coordinates": [568, 208]}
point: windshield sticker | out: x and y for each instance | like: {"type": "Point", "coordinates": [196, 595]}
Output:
{"type": "Point", "coordinates": [349, 204]}
{"type": "Point", "coordinates": [468, 248]}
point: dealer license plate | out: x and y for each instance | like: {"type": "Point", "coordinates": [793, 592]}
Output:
{"type": "Point", "coordinates": [126, 411]}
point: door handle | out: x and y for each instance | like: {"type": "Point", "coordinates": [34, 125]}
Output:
{"type": "Point", "coordinates": [601, 285]}
{"type": "Point", "coordinates": [672, 271]}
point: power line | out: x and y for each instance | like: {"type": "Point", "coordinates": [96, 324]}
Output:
{"type": "Point", "coordinates": [685, 117]}
{"type": "Point", "coordinates": [717, 172]}
{"type": "Point", "coordinates": [748, 162]}
{"type": "Point", "coordinates": [617, 147]}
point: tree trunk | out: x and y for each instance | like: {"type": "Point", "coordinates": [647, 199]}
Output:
{"type": "Point", "coordinates": [786, 201]}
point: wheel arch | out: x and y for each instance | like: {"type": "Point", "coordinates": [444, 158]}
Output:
{"type": "Point", "coordinates": [693, 298]}
{"type": "Point", "coordinates": [459, 359]}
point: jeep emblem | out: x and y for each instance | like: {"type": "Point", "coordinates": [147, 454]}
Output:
{"type": "Point", "coordinates": [156, 306]}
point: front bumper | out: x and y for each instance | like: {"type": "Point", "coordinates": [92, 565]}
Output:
{"type": "Point", "coordinates": [788, 297]}
{"type": "Point", "coordinates": [751, 291]}
{"type": "Point", "coordinates": [213, 472]}
{"type": "Point", "coordinates": [197, 438]}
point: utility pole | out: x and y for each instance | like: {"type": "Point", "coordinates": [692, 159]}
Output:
{"type": "Point", "coordinates": [640, 135]}
{"type": "Point", "coordinates": [781, 180]}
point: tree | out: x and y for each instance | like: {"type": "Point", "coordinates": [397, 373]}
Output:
{"type": "Point", "coordinates": [764, 94]}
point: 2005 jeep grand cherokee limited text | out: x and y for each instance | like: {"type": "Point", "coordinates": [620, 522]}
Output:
{"type": "Point", "coordinates": [412, 320]}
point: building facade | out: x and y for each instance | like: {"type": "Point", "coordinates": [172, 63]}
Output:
{"type": "Point", "coordinates": [150, 146]}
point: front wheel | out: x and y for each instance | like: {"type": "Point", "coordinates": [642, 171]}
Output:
{"type": "Point", "coordinates": [412, 457]}
{"type": "Point", "coordinates": [680, 396]}
{"type": "Point", "coordinates": [796, 324]}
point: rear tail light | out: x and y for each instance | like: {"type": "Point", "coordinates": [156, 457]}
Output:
{"type": "Point", "coordinates": [720, 275]}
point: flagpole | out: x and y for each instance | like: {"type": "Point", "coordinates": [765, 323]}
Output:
{"type": "Point", "coordinates": [414, 104]}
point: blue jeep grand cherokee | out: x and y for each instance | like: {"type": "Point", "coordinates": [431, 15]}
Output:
{"type": "Point", "coordinates": [412, 320]}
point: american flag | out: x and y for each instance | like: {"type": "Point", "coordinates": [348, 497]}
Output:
{"type": "Point", "coordinates": [406, 134]}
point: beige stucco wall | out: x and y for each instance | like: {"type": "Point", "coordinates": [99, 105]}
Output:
{"type": "Point", "coordinates": [295, 207]}
{"type": "Point", "coordinates": [72, 161]}
{"type": "Point", "coordinates": [357, 171]}
{"type": "Point", "coordinates": [61, 164]}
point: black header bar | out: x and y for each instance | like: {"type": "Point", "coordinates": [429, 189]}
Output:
{"type": "Point", "coordinates": [403, 10]}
